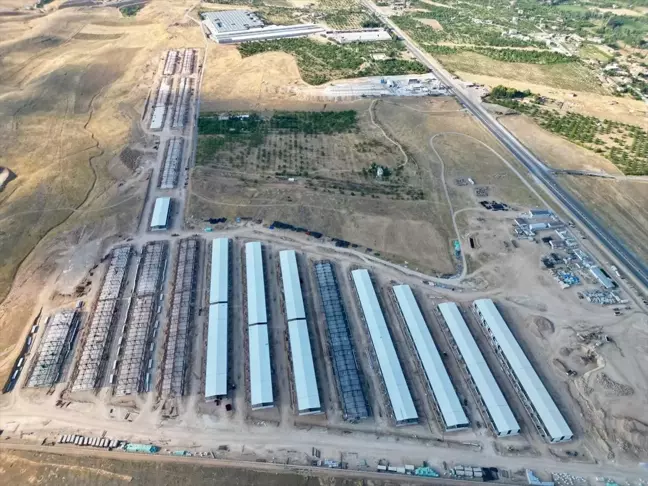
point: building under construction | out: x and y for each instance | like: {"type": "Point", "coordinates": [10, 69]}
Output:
{"type": "Point", "coordinates": [171, 165]}
{"type": "Point", "coordinates": [56, 344]}
{"type": "Point", "coordinates": [178, 343]}
{"type": "Point", "coordinates": [131, 370]}
{"type": "Point", "coordinates": [345, 366]}
{"type": "Point", "coordinates": [96, 342]}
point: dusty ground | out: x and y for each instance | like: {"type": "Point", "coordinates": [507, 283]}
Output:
{"type": "Point", "coordinates": [442, 145]}
{"type": "Point", "coordinates": [21, 467]}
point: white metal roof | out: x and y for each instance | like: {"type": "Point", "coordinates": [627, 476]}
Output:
{"type": "Point", "coordinates": [291, 285]}
{"type": "Point", "coordinates": [219, 280]}
{"type": "Point", "coordinates": [544, 405]}
{"type": "Point", "coordinates": [397, 389]}
{"type": "Point", "coordinates": [216, 367]}
{"type": "Point", "coordinates": [160, 212]}
{"type": "Point", "coordinates": [498, 408]}
{"type": "Point", "coordinates": [256, 300]}
{"type": "Point", "coordinates": [232, 20]}
{"type": "Point", "coordinates": [260, 371]}
{"type": "Point", "coordinates": [437, 375]}
{"type": "Point", "coordinates": [303, 368]}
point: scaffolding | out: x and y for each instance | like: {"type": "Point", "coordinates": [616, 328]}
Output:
{"type": "Point", "coordinates": [183, 94]}
{"type": "Point", "coordinates": [55, 345]}
{"type": "Point", "coordinates": [178, 340]}
{"type": "Point", "coordinates": [135, 344]}
{"type": "Point", "coordinates": [342, 353]}
{"type": "Point", "coordinates": [170, 63]}
{"type": "Point", "coordinates": [188, 62]}
{"type": "Point", "coordinates": [171, 166]}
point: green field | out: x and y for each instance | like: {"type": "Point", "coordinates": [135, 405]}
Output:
{"type": "Point", "coordinates": [626, 146]}
{"type": "Point", "coordinates": [322, 62]}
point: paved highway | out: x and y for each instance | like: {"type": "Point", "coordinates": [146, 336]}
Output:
{"type": "Point", "coordinates": [614, 246]}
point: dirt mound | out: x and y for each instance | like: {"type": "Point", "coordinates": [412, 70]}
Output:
{"type": "Point", "coordinates": [614, 387]}
{"type": "Point", "coordinates": [541, 326]}
{"type": "Point", "coordinates": [130, 157]}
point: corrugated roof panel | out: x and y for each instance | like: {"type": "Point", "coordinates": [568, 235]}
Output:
{"type": "Point", "coordinates": [397, 389]}
{"type": "Point", "coordinates": [216, 366]}
{"type": "Point", "coordinates": [261, 395]}
{"type": "Point", "coordinates": [256, 299]}
{"type": "Point", "coordinates": [160, 212]}
{"type": "Point", "coordinates": [219, 280]}
{"type": "Point", "coordinates": [437, 375]}
{"type": "Point", "coordinates": [492, 396]}
{"type": "Point", "coordinates": [544, 405]}
{"type": "Point", "coordinates": [291, 285]}
{"type": "Point", "coordinates": [303, 368]}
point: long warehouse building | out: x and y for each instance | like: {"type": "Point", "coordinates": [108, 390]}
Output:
{"type": "Point", "coordinates": [502, 420]}
{"type": "Point", "coordinates": [308, 400]}
{"type": "Point", "coordinates": [445, 396]}
{"type": "Point", "coordinates": [390, 368]}
{"type": "Point", "coordinates": [552, 422]}
{"type": "Point", "coordinates": [261, 394]}
{"type": "Point", "coordinates": [217, 331]}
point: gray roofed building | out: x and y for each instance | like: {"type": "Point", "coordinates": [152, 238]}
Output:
{"type": "Point", "coordinates": [231, 21]}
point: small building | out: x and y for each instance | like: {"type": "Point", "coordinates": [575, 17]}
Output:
{"type": "Point", "coordinates": [231, 21]}
{"type": "Point", "coordinates": [147, 448]}
{"type": "Point", "coordinates": [359, 35]}
{"type": "Point", "coordinates": [161, 214]}
{"type": "Point", "coordinates": [602, 277]}
{"type": "Point", "coordinates": [535, 213]}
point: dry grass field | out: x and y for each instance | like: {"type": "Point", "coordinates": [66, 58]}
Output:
{"type": "Point", "coordinates": [570, 76]}
{"type": "Point", "coordinates": [624, 110]}
{"type": "Point", "coordinates": [21, 468]}
{"type": "Point", "coordinates": [406, 218]}
{"type": "Point", "coordinates": [72, 87]}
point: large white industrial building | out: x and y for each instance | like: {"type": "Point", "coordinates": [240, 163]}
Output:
{"type": "Point", "coordinates": [219, 280]}
{"type": "Point", "coordinates": [255, 279]}
{"type": "Point", "coordinates": [542, 408]}
{"type": "Point", "coordinates": [358, 35]}
{"type": "Point", "coordinates": [161, 214]}
{"type": "Point", "coordinates": [308, 400]}
{"type": "Point", "coordinates": [261, 393]}
{"type": "Point", "coordinates": [235, 26]}
{"type": "Point", "coordinates": [217, 331]}
{"type": "Point", "coordinates": [390, 368]}
{"type": "Point", "coordinates": [446, 399]}
{"type": "Point", "coordinates": [501, 417]}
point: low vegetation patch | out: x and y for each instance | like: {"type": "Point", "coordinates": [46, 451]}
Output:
{"type": "Point", "coordinates": [329, 150]}
{"type": "Point", "coordinates": [626, 146]}
{"type": "Point", "coordinates": [131, 10]}
{"type": "Point", "coordinates": [322, 62]}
